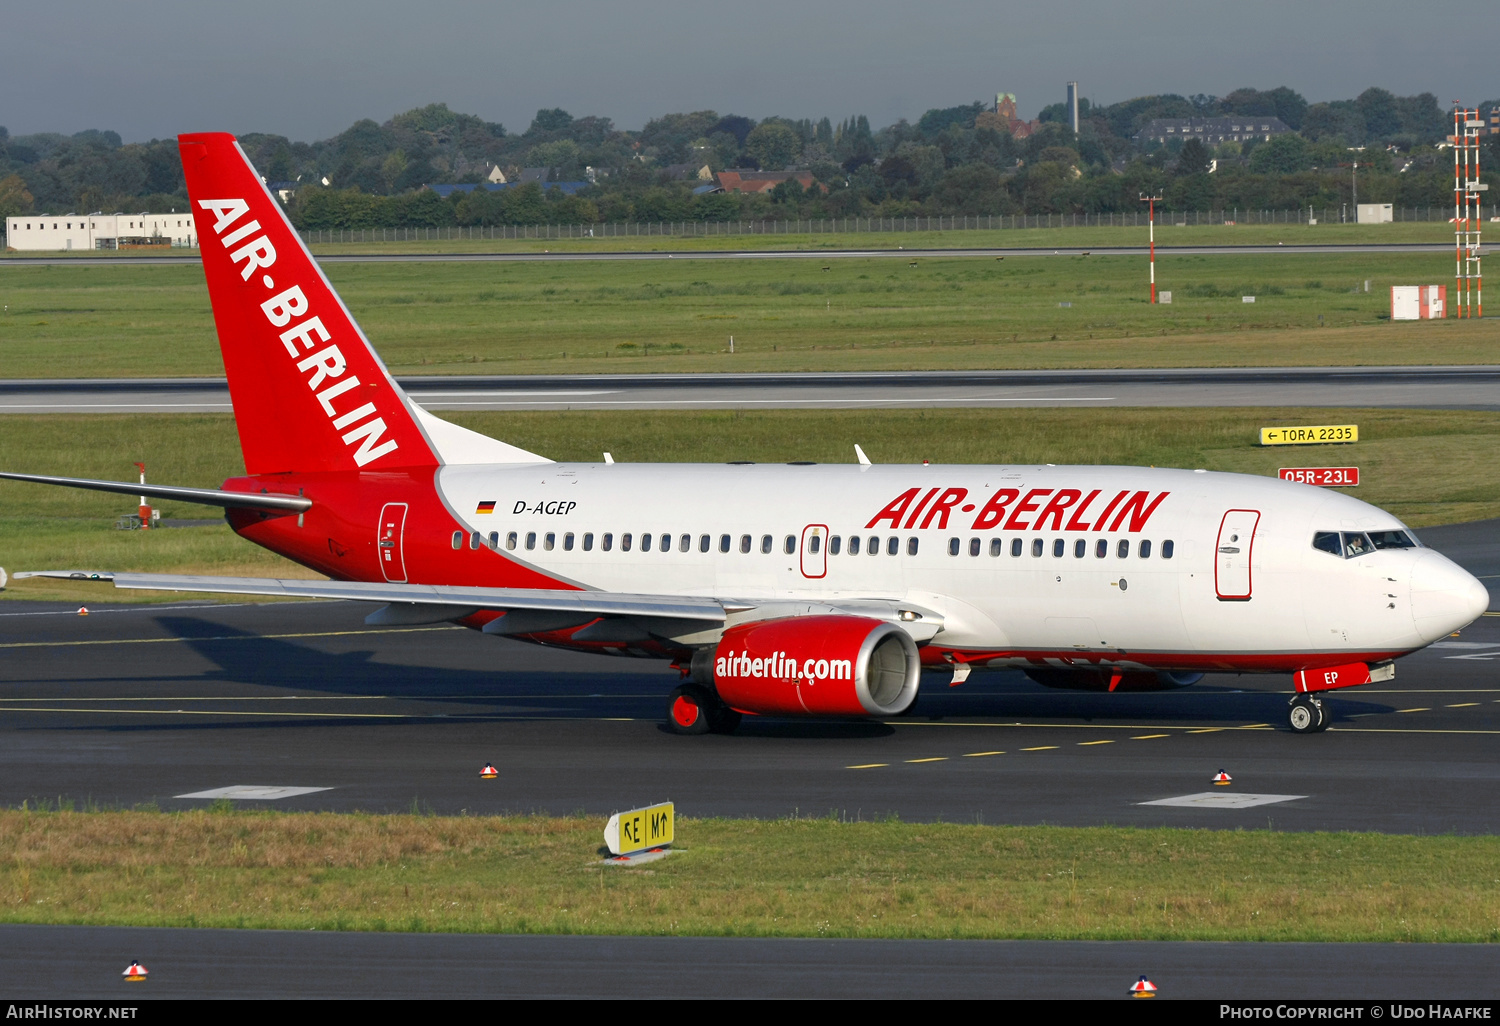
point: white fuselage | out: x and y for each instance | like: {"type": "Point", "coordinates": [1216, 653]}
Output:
{"type": "Point", "coordinates": [1230, 579]}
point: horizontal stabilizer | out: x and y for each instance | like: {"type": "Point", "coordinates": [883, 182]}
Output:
{"type": "Point", "coordinates": [205, 496]}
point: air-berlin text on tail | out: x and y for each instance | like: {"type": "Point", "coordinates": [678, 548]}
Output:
{"type": "Point", "coordinates": [778, 666]}
{"type": "Point", "coordinates": [256, 252]}
{"type": "Point", "coordinates": [1009, 509]}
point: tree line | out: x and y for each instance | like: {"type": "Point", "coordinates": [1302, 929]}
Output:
{"type": "Point", "coordinates": [951, 160]}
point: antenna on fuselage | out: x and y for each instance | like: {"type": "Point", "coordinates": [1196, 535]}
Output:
{"type": "Point", "coordinates": [864, 461]}
{"type": "Point", "coordinates": [608, 459]}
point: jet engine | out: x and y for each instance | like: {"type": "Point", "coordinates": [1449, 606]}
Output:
{"type": "Point", "coordinates": [1108, 679]}
{"type": "Point", "coordinates": [826, 665]}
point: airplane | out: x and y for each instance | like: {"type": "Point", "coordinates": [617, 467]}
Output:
{"type": "Point", "coordinates": [793, 590]}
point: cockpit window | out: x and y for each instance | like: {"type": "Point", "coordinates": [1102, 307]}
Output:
{"type": "Point", "coordinates": [1392, 540]}
{"type": "Point", "coordinates": [1328, 541]}
{"type": "Point", "coordinates": [1356, 543]}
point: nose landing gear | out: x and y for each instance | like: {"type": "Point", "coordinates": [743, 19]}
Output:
{"type": "Point", "coordinates": [1308, 715]}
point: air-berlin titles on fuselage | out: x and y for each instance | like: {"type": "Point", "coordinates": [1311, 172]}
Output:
{"type": "Point", "coordinates": [281, 309]}
{"type": "Point", "coordinates": [1067, 509]}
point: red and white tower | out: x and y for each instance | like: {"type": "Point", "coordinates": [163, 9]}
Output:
{"type": "Point", "coordinates": [1468, 279]}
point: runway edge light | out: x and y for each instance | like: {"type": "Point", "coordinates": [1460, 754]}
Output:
{"type": "Point", "coordinates": [489, 772]}
{"type": "Point", "coordinates": [1222, 778]}
{"type": "Point", "coordinates": [1143, 988]}
{"type": "Point", "coordinates": [135, 972]}
{"type": "Point", "coordinates": [638, 830]}
{"type": "Point", "coordinates": [83, 610]}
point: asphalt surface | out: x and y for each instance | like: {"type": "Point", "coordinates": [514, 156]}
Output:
{"type": "Point", "coordinates": [86, 962]}
{"type": "Point", "coordinates": [135, 704]}
{"type": "Point", "coordinates": [1452, 387]}
{"type": "Point", "coordinates": [761, 254]}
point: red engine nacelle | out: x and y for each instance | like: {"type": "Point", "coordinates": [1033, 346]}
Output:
{"type": "Point", "coordinates": [814, 666]}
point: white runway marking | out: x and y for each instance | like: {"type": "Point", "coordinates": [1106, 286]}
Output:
{"type": "Point", "coordinates": [1221, 800]}
{"type": "Point", "coordinates": [254, 791]}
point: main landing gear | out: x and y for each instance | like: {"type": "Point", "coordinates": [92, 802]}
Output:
{"type": "Point", "coordinates": [1308, 715]}
{"type": "Point", "coordinates": [694, 709]}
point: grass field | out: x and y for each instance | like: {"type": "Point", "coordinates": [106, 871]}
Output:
{"type": "Point", "coordinates": [887, 313]}
{"type": "Point", "coordinates": [803, 877]}
{"type": "Point", "coordinates": [1426, 466]}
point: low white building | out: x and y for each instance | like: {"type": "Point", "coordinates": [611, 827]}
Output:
{"type": "Point", "coordinates": [62, 232]}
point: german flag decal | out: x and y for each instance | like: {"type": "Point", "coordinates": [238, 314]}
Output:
{"type": "Point", "coordinates": [487, 506]}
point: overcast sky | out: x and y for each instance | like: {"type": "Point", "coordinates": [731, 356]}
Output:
{"type": "Point", "coordinates": [308, 69]}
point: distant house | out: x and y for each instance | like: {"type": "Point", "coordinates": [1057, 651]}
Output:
{"type": "Point", "coordinates": [496, 176]}
{"type": "Point", "coordinates": [1211, 131]}
{"type": "Point", "coordinates": [1003, 118]}
{"type": "Point", "coordinates": [285, 190]}
{"type": "Point", "coordinates": [682, 172]}
{"type": "Point", "coordinates": [745, 180]}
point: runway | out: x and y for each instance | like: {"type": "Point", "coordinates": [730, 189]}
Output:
{"type": "Point", "coordinates": [137, 704]}
{"type": "Point", "coordinates": [85, 962]}
{"type": "Point", "coordinates": [1418, 387]}
{"type": "Point", "coordinates": [763, 254]}
{"type": "Point", "coordinates": [141, 704]}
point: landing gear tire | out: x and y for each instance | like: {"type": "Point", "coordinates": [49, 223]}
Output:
{"type": "Point", "coordinates": [1307, 715]}
{"type": "Point", "coordinates": [690, 709]}
{"type": "Point", "coordinates": [724, 720]}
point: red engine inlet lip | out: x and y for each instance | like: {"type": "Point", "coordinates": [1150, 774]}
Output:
{"type": "Point", "coordinates": [828, 665]}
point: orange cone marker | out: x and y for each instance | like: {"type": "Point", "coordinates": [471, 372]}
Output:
{"type": "Point", "coordinates": [1143, 988]}
{"type": "Point", "coordinates": [136, 972]}
{"type": "Point", "coordinates": [1221, 778]}
{"type": "Point", "coordinates": [489, 772]}
{"type": "Point", "coordinates": [83, 610]}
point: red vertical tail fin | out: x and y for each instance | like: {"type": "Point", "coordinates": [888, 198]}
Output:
{"type": "Point", "coordinates": [309, 392]}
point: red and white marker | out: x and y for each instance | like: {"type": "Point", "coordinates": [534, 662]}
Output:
{"type": "Point", "coordinates": [1221, 778]}
{"type": "Point", "coordinates": [489, 772]}
{"type": "Point", "coordinates": [83, 610]}
{"type": "Point", "coordinates": [1143, 988]}
{"type": "Point", "coordinates": [135, 972]}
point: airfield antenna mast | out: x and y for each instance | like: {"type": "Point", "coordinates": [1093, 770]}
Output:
{"type": "Point", "coordinates": [1468, 279]}
{"type": "Point", "coordinates": [1151, 202]}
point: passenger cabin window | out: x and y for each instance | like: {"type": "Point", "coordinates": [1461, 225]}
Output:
{"type": "Point", "coordinates": [494, 539]}
{"type": "Point", "coordinates": [996, 546]}
{"type": "Point", "coordinates": [1036, 547]}
{"type": "Point", "coordinates": [724, 542]}
{"type": "Point", "coordinates": [833, 544]}
{"type": "Point", "coordinates": [1101, 548]}
{"type": "Point", "coordinates": [854, 545]}
{"type": "Point", "coordinates": [872, 545]}
{"type": "Point", "coordinates": [790, 545]}
{"type": "Point", "coordinates": [1144, 550]}
{"type": "Point", "coordinates": [953, 546]}
{"type": "Point", "coordinates": [1079, 548]}
{"type": "Point", "coordinates": [911, 546]}
{"type": "Point", "coordinates": [530, 539]}
{"type": "Point", "coordinates": [666, 543]}
{"type": "Point", "coordinates": [1015, 547]}
{"type": "Point", "coordinates": [974, 545]}
{"type": "Point", "coordinates": [1058, 547]}
{"type": "Point", "coordinates": [606, 541]}
{"type": "Point", "coordinates": [814, 543]}
{"type": "Point", "coordinates": [625, 542]}
{"type": "Point", "coordinates": [475, 540]}
{"type": "Point", "coordinates": [893, 546]}
{"type": "Point", "coordinates": [1167, 548]}
{"type": "Point", "coordinates": [588, 542]}
{"type": "Point", "coordinates": [510, 540]}
{"type": "Point", "coordinates": [645, 541]}
{"type": "Point", "coordinates": [685, 543]}
{"type": "Point", "coordinates": [766, 541]}
{"type": "Point", "coordinates": [705, 543]}
{"type": "Point", "coordinates": [458, 539]}
{"type": "Point", "coordinates": [744, 543]}
{"type": "Point", "coordinates": [549, 541]}
{"type": "Point", "coordinates": [1122, 551]}
{"type": "Point", "coordinates": [568, 542]}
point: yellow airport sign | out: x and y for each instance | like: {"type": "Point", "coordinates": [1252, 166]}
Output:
{"type": "Point", "coordinates": [639, 829]}
{"type": "Point", "coordinates": [1317, 434]}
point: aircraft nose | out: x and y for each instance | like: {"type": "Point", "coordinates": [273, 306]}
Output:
{"type": "Point", "coordinates": [1444, 596]}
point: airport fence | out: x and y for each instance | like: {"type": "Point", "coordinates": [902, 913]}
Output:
{"type": "Point", "coordinates": [857, 225]}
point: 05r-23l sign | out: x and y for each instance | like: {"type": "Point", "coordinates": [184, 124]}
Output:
{"type": "Point", "coordinates": [1317, 434]}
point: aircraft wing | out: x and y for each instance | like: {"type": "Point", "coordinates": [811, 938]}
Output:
{"type": "Point", "coordinates": [450, 597]}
